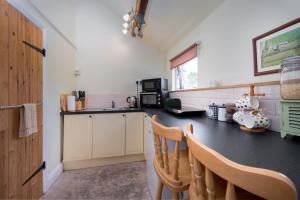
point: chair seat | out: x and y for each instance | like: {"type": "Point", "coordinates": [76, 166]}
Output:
{"type": "Point", "coordinates": [184, 172]}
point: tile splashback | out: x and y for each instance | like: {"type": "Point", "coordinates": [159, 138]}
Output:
{"type": "Point", "coordinates": [270, 104]}
{"type": "Point", "coordinates": [105, 100]}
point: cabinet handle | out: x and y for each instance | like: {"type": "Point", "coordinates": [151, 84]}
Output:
{"type": "Point", "coordinates": [123, 115]}
{"type": "Point", "coordinates": [90, 116]}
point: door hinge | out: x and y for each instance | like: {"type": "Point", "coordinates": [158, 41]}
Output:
{"type": "Point", "coordinates": [41, 51]}
{"type": "Point", "coordinates": [42, 167]}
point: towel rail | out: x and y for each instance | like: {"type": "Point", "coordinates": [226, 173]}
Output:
{"type": "Point", "coordinates": [2, 107]}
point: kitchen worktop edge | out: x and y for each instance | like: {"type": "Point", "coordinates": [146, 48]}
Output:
{"type": "Point", "coordinates": [102, 111]}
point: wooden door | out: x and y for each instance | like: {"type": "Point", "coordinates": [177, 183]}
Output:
{"type": "Point", "coordinates": [134, 133]}
{"type": "Point", "coordinates": [77, 137]}
{"type": "Point", "coordinates": [20, 82]}
{"type": "Point", "coordinates": [108, 135]}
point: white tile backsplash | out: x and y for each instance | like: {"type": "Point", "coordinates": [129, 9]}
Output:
{"type": "Point", "coordinates": [272, 92]}
{"type": "Point", "coordinates": [268, 107]}
{"type": "Point", "coordinates": [223, 94]}
{"type": "Point", "coordinates": [270, 104]}
{"type": "Point", "coordinates": [238, 92]}
{"type": "Point", "coordinates": [275, 126]}
{"type": "Point", "coordinates": [105, 100]}
{"type": "Point", "coordinates": [277, 108]}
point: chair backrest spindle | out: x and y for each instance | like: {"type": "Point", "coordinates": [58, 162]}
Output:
{"type": "Point", "coordinates": [210, 184]}
{"type": "Point", "coordinates": [165, 155]}
{"type": "Point", "coordinates": [161, 136]}
{"type": "Point", "coordinates": [256, 182]}
{"type": "Point", "coordinates": [230, 192]}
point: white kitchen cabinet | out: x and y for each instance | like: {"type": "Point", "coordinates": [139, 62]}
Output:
{"type": "Point", "coordinates": [108, 135]}
{"type": "Point", "coordinates": [152, 177]}
{"type": "Point", "coordinates": [77, 137]}
{"type": "Point", "coordinates": [145, 135]}
{"type": "Point", "coordinates": [134, 133]}
{"type": "Point", "coordinates": [99, 139]}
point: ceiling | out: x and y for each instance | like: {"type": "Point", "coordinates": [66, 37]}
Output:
{"type": "Point", "coordinates": [167, 20]}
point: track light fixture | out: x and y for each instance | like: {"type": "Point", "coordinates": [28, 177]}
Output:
{"type": "Point", "coordinates": [134, 20]}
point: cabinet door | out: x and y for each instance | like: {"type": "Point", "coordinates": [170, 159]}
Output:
{"type": "Point", "coordinates": [291, 117]}
{"type": "Point", "coordinates": [108, 135]}
{"type": "Point", "coordinates": [134, 133]}
{"type": "Point", "coordinates": [77, 137]}
{"type": "Point", "coordinates": [145, 135]}
{"type": "Point", "coordinates": [152, 177]}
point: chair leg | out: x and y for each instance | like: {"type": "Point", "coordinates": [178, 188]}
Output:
{"type": "Point", "coordinates": [159, 190]}
{"type": "Point", "coordinates": [175, 195]}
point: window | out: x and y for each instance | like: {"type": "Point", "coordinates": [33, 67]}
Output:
{"type": "Point", "coordinates": [184, 68]}
{"type": "Point", "coordinates": [185, 76]}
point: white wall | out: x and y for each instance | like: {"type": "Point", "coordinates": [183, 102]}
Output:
{"type": "Point", "coordinates": [58, 78]}
{"type": "Point", "coordinates": [111, 62]}
{"type": "Point", "coordinates": [226, 39]}
{"type": "Point", "coordinates": [61, 14]}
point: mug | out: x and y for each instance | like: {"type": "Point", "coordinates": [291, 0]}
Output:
{"type": "Point", "coordinates": [247, 102]}
{"type": "Point", "coordinates": [255, 119]}
{"type": "Point", "coordinates": [239, 117]}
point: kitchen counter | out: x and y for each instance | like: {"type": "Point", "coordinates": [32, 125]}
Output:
{"type": "Point", "coordinates": [103, 110]}
{"type": "Point", "coordinates": [265, 150]}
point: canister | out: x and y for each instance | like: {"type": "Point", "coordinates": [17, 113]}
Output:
{"type": "Point", "coordinates": [212, 111]}
{"type": "Point", "coordinates": [222, 113]}
{"type": "Point", "coordinates": [290, 78]}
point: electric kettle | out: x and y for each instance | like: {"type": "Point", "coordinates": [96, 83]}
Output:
{"type": "Point", "coordinates": [132, 101]}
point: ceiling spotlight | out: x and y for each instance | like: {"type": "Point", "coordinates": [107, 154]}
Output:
{"type": "Point", "coordinates": [125, 25]}
{"type": "Point", "coordinates": [125, 31]}
{"type": "Point", "coordinates": [126, 17]}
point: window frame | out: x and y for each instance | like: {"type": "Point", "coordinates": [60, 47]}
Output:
{"type": "Point", "coordinates": [174, 76]}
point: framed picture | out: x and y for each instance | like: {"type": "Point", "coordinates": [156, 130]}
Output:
{"type": "Point", "coordinates": [271, 48]}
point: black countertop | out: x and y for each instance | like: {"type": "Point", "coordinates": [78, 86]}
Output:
{"type": "Point", "coordinates": [265, 150]}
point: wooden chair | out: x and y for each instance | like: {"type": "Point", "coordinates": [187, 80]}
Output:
{"type": "Point", "coordinates": [172, 167]}
{"type": "Point", "coordinates": [209, 169]}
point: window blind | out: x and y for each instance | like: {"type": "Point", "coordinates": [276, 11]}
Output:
{"type": "Point", "coordinates": [185, 56]}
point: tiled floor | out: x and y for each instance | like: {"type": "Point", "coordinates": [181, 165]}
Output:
{"type": "Point", "coordinates": [113, 182]}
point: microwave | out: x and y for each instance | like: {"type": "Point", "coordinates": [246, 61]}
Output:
{"type": "Point", "coordinates": [154, 85]}
{"type": "Point", "coordinates": [153, 99]}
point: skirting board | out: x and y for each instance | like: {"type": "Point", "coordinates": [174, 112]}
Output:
{"type": "Point", "coordinates": [70, 165]}
{"type": "Point", "coordinates": [51, 177]}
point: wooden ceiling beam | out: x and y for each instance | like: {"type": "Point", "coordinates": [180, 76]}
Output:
{"type": "Point", "coordinates": [140, 8]}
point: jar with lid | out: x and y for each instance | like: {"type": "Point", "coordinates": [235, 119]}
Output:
{"type": "Point", "coordinates": [290, 78]}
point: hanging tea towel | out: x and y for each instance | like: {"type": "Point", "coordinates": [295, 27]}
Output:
{"type": "Point", "coordinates": [28, 120]}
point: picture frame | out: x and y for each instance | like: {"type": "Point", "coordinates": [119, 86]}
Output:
{"type": "Point", "coordinates": [270, 48]}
